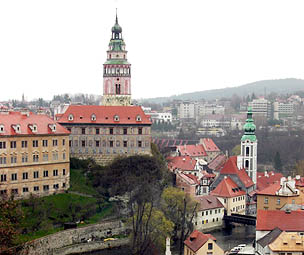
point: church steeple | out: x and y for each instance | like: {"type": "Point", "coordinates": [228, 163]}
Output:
{"type": "Point", "coordinates": [117, 70]}
{"type": "Point", "coordinates": [248, 157]}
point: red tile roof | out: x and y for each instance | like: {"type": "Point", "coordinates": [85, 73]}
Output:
{"type": "Point", "coordinates": [192, 150]}
{"type": "Point", "coordinates": [208, 175]}
{"type": "Point", "coordinates": [187, 178]}
{"type": "Point", "coordinates": [185, 163]}
{"type": "Point", "coordinates": [209, 145]}
{"type": "Point", "coordinates": [218, 163]}
{"type": "Point", "coordinates": [197, 239]}
{"type": "Point", "coordinates": [263, 181]}
{"type": "Point", "coordinates": [230, 167]}
{"type": "Point", "coordinates": [300, 182]}
{"type": "Point", "coordinates": [269, 220]}
{"type": "Point", "coordinates": [25, 121]}
{"type": "Point", "coordinates": [270, 190]}
{"type": "Point", "coordinates": [227, 188]}
{"type": "Point", "coordinates": [208, 202]}
{"type": "Point", "coordinates": [105, 114]}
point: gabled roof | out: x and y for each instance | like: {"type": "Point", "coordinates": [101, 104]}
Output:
{"type": "Point", "coordinates": [290, 242]}
{"type": "Point", "coordinates": [286, 221]}
{"type": "Point", "coordinates": [270, 237]}
{"type": "Point", "coordinates": [227, 188]}
{"type": "Point", "coordinates": [209, 145]}
{"type": "Point", "coordinates": [25, 121]}
{"type": "Point", "coordinates": [207, 175]}
{"type": "Point", "coordinates": [192, 150]}
{"type": "Point", "coordinates": [265, 179]}
{"type": "Point", "coordinates": [230, 167]}
{"type": "Point", "coordinates": [208, 202]}
{"type": "Point", "coordinates": [188, 178]}
{"type": "Point", "coordinates": [197, 239]}
{"type": "Point", "coordinates": [270, 190]}
{"type": "Point", "coordinates": [183, 163]}
{"type": "Point", "coordinates": [104, 115]}
{"type": "Point", "coordinates": [300, 182]}
{"type": "Point", "coordinates": [218, 163]}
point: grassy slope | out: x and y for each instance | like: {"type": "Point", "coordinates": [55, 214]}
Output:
{"type": "Point", "coordinates": [57, 208]}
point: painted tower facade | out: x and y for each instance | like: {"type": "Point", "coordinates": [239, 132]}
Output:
{"type": "Point", "coordinates": [249, 144]}
{"type": "Point", "coordinates": [116, 71]}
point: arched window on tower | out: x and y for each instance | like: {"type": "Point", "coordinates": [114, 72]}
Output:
{"type": "Point", "coordinates": [246, 163]}
{"type": "Point", "coordinates": [247, 151]}
{"type": "Point", "coordinates": [117, 89]}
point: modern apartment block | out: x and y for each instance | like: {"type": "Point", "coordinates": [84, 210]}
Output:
{"type": "Point", "coordinates": [34, 155]}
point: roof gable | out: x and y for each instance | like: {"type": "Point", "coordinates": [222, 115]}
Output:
{"type": "Point", "coordinates": [197, 239]}
{"type": "Point", "coordinates": [192, 150]}
{"type": "Point", "coordinates": [227, 188]}
{"type": "Point", "coordinates": [230, 167]}
{"type": "Point", "coordinates": [208, 202]}
{"type": "Point", "coordinates": [209, 145]}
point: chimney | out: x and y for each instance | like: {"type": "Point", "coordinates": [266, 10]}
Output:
{"type": "Point", "coordinates": [184, 159]}
{"type": "Point", "coordinates": [298, 177]}
{"type": "Point", "coordinates": [266, 174]}
{"type": "Point", "coordinates": [288, 211]}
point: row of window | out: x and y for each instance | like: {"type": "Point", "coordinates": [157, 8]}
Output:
{"type": "Point", "coordinates": [24, 158]}
{"type": "Point", "coordinates": [25, 175]}
{"type": "Point", "coordinates": [35, 144]}
{"type": "Point", "coordinates": [206, 221]}
{"type": "Point", "coordinates": [278, 202]}
{"type": "Point", "coordinates": [216, 211]}
{"type": "Point", "coordinates": [238, 198]}
{"type": "Point", "coordinates": [112, 131]}
{"type": "Point", "coordinates": [237, 208]}
{"type": "Point", "coordinates": [108, 144]}
{"type": "Point", "coordinates": [35, 189]}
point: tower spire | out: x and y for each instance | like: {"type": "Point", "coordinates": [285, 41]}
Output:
{"type": "Point", "coordinates": [116, 17]}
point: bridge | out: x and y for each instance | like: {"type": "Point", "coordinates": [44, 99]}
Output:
{"type": "Point", "coordinates": [239, 218]}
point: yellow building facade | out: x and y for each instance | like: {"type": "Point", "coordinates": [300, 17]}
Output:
{"type": "Point", "coordinates": [34, 155]}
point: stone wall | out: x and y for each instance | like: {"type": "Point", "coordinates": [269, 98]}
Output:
{"type": "Point", "coordinates": [52, 244]}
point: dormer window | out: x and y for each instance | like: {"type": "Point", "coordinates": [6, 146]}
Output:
{"type": "Point", "coordinates": [33, 128]}
{"type": "Point", "coordinates": [1, 128]}
{"type": "Point", "coordinates": [16, 128]}
{"type": "Point", "coordinates": [52, 127]}
{"type": "Point", "coordinates": [116, 118]}
{"type": "Point", "coordinates": [71, 117]}
{"type": "Point", "coordinates": [138, 118]}
{"type": "Point", "coordinates": [93, 117]}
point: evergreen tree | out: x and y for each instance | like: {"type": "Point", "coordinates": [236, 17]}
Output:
{"type": "Point", "coordinates": [277, 161]}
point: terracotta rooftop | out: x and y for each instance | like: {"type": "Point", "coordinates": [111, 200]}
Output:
{"type": "Point", "coordinates": [188, 178]}
{"type": "Point", "coordinates": [270, 190]}
{"type": "Point", "coordinates": [209, 145]}
{"type": "Point", "coordinates": [218, 163]}
{"type": "Point", "coordinates": [230, 167]}
{"type": "Point", "coordinates": [300, 182]}
{"type": "Point", "coordinates": [183, 163]}
{"type": "Point", "coordinates": [265, 179]}
{"type": "Point", "coordinates": [288, 242]}
{"type": "Point", "coordinates": [286, 221]}
{"type": "Point", "coordinates": [192, 150]}
{"type": "Point", "coordinates": [197, 239]}
{"type": "Point", "coordinates": [227, 188]}
{"type": "Point", "coordinates": [95, 114]}
{"type": "Point", "coordinates": [208, 202]}
{"type": "Point", "coordinates": [17, 123]}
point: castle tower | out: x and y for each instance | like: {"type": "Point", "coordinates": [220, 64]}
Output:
{"type": "Point", "coordinates": [249, 142]}
{"type": "Point", "coordinates": [116, 71]}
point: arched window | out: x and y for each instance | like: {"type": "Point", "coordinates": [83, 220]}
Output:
{"type": "Point", "coordinates": [138, 118]}
{"type": "Point", "coordinates": [247, 151]}
{"type": "Point", "coordinates": [117, 89]}
{"type": "Point", "coordinates": [246, 163]}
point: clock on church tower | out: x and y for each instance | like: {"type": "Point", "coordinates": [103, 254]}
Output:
{"type": "Point", "coordinates": [116, 71]}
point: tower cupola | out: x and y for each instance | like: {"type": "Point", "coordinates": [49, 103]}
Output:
{"type": "Point", "coordinates": [249, 127]}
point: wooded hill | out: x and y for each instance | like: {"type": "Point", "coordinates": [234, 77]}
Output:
{"type": "Point", "coordinates": [280, 86]}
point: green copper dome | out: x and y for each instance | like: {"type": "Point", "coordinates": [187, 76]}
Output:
{"type": "Point", "coordinates": [116, 28]}
{"type": "Point", "coordinates": [249, 128]}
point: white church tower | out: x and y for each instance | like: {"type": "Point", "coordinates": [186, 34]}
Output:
{"type": "Point", "coordinates": [249, 144]}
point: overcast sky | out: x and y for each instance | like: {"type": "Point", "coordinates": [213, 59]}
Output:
{"type": "Point", "coordinates": [59, 46]}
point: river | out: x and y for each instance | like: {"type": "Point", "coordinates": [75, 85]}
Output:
{"type": "Point", "coordinates": [226, 239]}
